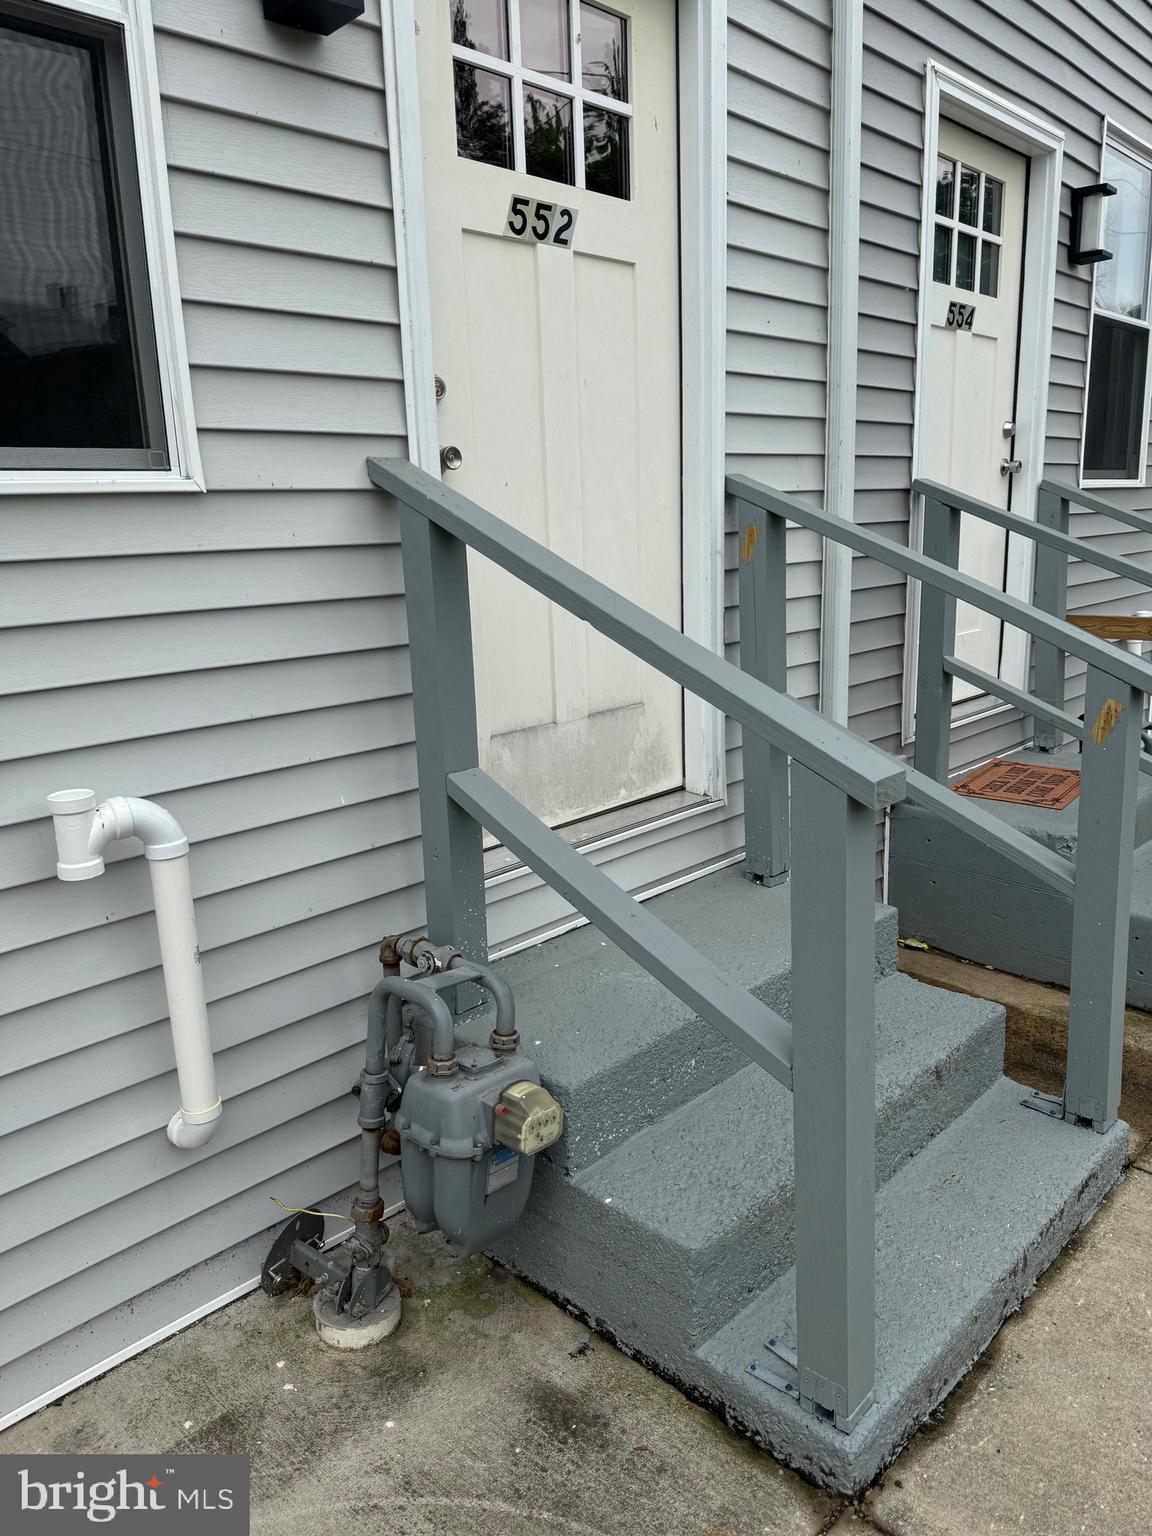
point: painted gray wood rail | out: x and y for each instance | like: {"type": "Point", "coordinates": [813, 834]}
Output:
{"type": "Point", "coordinates": [1100, 881]}
{"type": "Point", "coordinates": [1050, 584]}
{"type": "Point", "coordinates": [827, 1054]}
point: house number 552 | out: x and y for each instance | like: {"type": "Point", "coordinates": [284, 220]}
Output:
{"type": "Point", "coordinates": [547, 223]}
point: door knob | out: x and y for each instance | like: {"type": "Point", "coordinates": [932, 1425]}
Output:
{"type": "Point", "coordinates": [1011, 466]}
{"type": "Point", "coordinates": [451, 457]}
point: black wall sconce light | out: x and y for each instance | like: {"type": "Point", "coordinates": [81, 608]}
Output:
{"type": "Point", "coordinates": [1086, 241]}
{"type": "Point", "coordinates": [320, 16]}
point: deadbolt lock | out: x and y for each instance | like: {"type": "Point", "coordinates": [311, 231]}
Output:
{"type": "Point", "coordinates": [451, 457]}
{"type": "Point", "coordinates": [1009, 428]}
{"type": "Point", "coordinates": [441, 388]}
{"type": "Point", "coordinates": [1011, 466]}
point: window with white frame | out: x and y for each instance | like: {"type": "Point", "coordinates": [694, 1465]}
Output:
{"type": "Point", "coordinates": [86, 378]}
{"type": "Point", "coordinates": [1116, 408]}
{"type": "Point", "coordinates": [542, 86]}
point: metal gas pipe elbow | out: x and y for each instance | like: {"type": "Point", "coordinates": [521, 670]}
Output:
{"type": "Point", "coordinates": [83, 831]}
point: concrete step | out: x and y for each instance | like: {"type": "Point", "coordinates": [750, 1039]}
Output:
{"type": "Point", "coordinates": [961, 897]}
{"type": "Point", "coordinates": [696, 1210]}
{"type": "Point", "coordinates": [964, 1231]}
{"type": "Point", "coordinates": [614, 1046]}
{"type": "Point", "coordinates": [1058, 829]}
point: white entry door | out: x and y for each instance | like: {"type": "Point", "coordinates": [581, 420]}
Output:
{"type": "Point", "coordinates": [551, 180]}
{"type": "Point", "coordinates": [968, 398]}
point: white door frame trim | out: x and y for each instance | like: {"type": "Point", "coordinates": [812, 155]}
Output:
{"type": "Point", "coordinates": [1042, 143]}
{"type": "Point", "coordinates": [702, 53]}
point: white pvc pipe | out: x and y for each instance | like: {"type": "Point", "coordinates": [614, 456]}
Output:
{"type": "Point", "coordinates": [83, 830]}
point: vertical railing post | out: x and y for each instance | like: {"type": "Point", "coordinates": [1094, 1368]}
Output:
{"type": "Point", "coordinates": [444, 705]}
{"type": "Point", "coordinates": [1050, 595]}
{"type": "Point", "coordinates": [833, 890]}
{"type": "Point", "coordinates": [1103, 899]}
{"type": "Point", "coordinates": [936, 639]}
{"type": "Point", "coordinates": [763, 597]}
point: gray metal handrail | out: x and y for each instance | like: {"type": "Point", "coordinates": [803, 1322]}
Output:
{"type": "Point", "coordinates": [1100, 880]}
{"type": "Point", "coordinates": [826, 1053]}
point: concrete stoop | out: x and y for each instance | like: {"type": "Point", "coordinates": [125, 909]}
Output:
{"type": "Point", "coordinates": [665, 1214]}
{"type": "Point", "coordinates": [961, 897]}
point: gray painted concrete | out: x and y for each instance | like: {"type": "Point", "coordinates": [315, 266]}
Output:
{"type": "Point", "coordinates": [1057, 829]}
{"type": "Point", "coordinates": [959, 896]}
{"type": "Point", "coordinates": [963, 1234]}
{"type": "Point", "coordinates": [671, 1230]}
{"type": "Point", "coordinates": [697, 1208]}
{"type": "Point", "coordinates": [612, 1044]}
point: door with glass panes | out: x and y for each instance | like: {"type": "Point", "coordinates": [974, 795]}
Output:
{"type": "Point", "coordinates": [968, 395]}
{"type": "Point", "coordinates": [551, 182]}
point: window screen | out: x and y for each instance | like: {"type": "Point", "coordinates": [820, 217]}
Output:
{"type": "Point", "coordinates": [79, 381]}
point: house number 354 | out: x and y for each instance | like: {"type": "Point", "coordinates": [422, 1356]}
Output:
{"type": "Point", "coordinates": [960, 317]}
{"type": "Point", "coordinates": [530, 218]}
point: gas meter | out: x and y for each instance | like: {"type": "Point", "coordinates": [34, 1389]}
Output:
{"type": "Point", "coordinates": [467, 1144]}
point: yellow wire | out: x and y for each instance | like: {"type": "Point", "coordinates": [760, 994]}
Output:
{"type": "Point", "coordinates": [304, 1210]}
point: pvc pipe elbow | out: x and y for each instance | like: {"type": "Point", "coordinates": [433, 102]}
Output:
{"type": "Point", "coordinates": [159, 831]}
{"type": "Point", "coordinates": [192, 1128]}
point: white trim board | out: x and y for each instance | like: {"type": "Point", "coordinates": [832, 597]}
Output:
{"type": "Point", "coordinates": [186, 473]}
{"type": "Point", "coordinates": [702, 47]}
{"type": "Point", "coordinates": [997, 118]}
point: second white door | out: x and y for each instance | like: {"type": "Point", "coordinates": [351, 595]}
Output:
{"type": "Point", "coordinates": [968, 398]}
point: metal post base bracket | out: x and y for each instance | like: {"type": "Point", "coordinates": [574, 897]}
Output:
{"type": "Point", "coordinates": [790, 1380]}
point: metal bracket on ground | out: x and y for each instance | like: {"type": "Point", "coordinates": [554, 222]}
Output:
{"type": "Point", "coordinates": [1046, 1103]}
{"type": "Point", "coordinates": [773, 1378]}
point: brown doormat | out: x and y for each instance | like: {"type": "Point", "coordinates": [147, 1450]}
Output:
{"type": "Point", "coordinates": [1049, 789]}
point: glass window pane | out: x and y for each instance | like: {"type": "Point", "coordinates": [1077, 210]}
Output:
{"type": "Point", "coordinates": [993, 204]}
{"type": "Point", "coordinates": [965, 260]}
{"type": "Point", "coordinates": [544, 36]}
{"type": "Point", "coordinates": [481, 24]}
{"type": "Point", "coordinates": [1114, 424]}
{"type": "Point", "coordinates": [603, 52]}
{"type": "Point", "coordinates": [990, 269]}
{"type": "Point", "coordinates": [548, 135]}
{"type": "Point", "coordinates": [942, 254]}
{"type": "Point", "coordinates": [1122, 283]}
{"type": "Point", "coordinates": [605, 152]}
{"type": "Point", "coordinates": [946, 188]}
{"type": "Point", "coordinates": [483, 115]}
{"type": "Point", "coordinates": [71, 368]}
{"type": "Point", "coordinates": [969, 197]}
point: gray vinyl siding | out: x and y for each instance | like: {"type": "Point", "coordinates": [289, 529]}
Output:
{"type": "Point", "coordinates": [779, 91]}
{"type": "Point", "coordinates": [240, 656]}
{"type": "Point", "coordinates": [1071, 64]}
